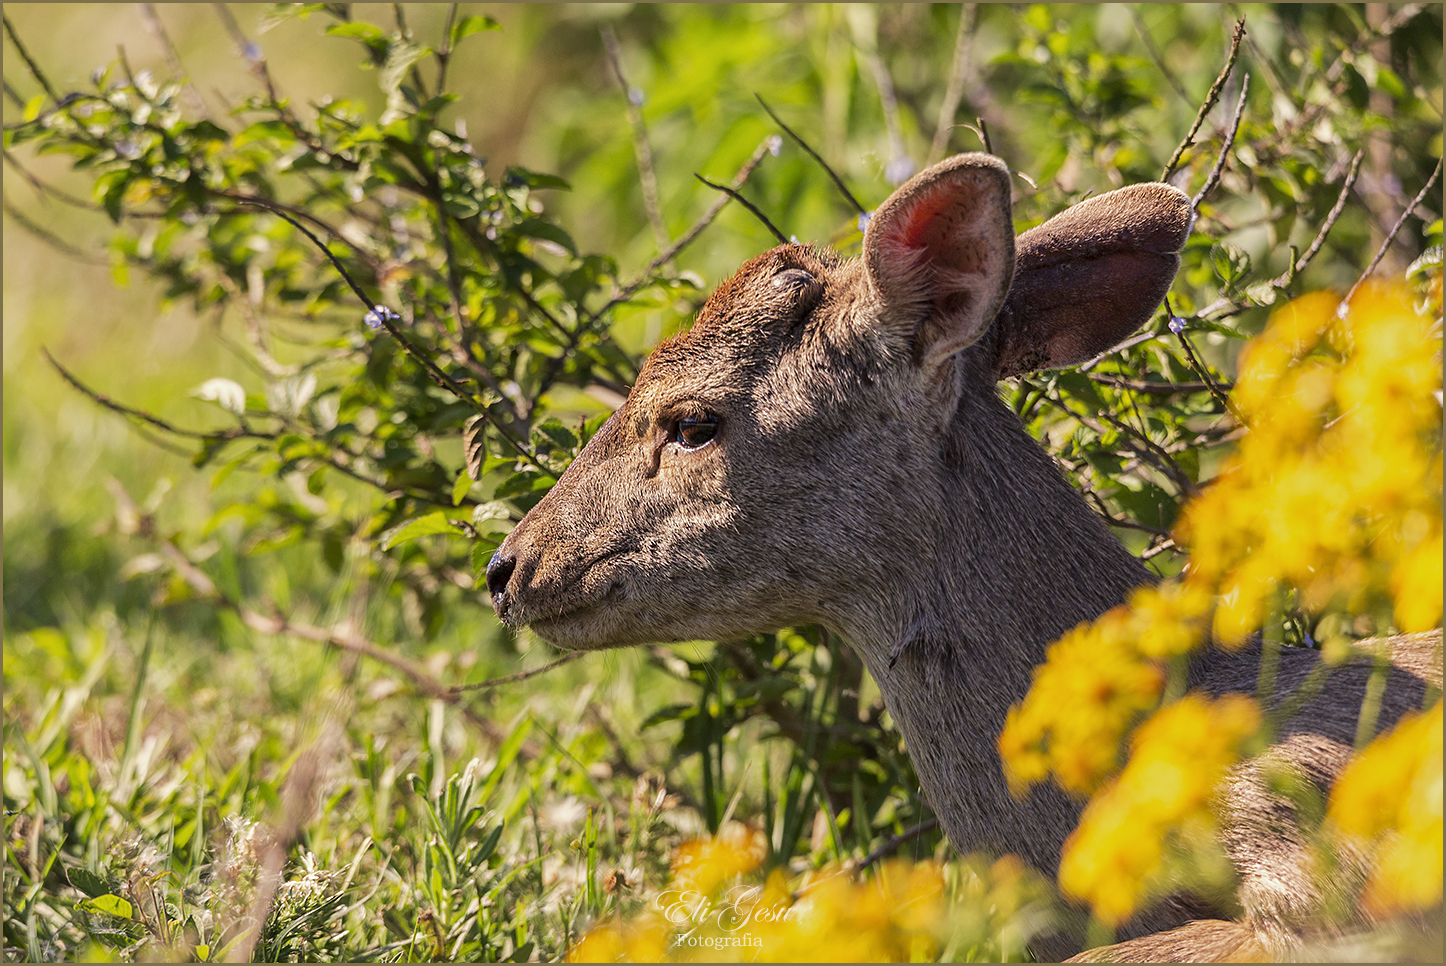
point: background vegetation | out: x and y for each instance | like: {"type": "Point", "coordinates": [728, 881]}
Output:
{"type": "Point", "coordinates": [250, 679]}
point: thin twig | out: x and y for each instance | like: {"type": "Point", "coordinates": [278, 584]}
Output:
{"type": "Point", "coordinates": [1199, 366]}
{"type": "Point", "coordinates": [444, 55]}
{"type": "Point", "coordinates": [865, 25]}
{"type": "Point", "coordinates": [1151, 388]}
{"type": "Point", "coordinates": [34, 68]}
{"type": "Point", "coordinates": [892, 844]}
{"type": "Point", "coordinates": [1335, 213]}
{"type": "Point", "coordinates": [145, 417]}
{"type": "Point", "coordinates": [431, 368]}
{"type": "Point", "coordinates": [1395, 229]}
{"type": "Point", "coordinates": [733, 193]}
{"type": "Point", "coordinates": [520, 675]}
{"type": "Point", "coordinates": [173, 59]}
{"type": "Point", "coordinates": [647, 274]}
{"type": "Point", "coordinates": [51, 239]}
{"type": "Point", "coordinates": [968, 18]}
{"type": "Point", "coordinates": [1210, 99]}
{"type": "Point", "coordinates": [1154, 53]}
{"type": "Point", "coordinates": [1129, 343]}
{"type": "Point", "coordinates": [641, 147]}
{"type": "Point", "coordinates": [983, 131]}
{"type": "Point", "coordinates": [342, 636]}
{"type": "Point", "coordinates": [1214, 178]}
{"type": "Point", "coordinates": [813, 154]}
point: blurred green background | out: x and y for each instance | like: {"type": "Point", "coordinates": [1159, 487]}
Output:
{"type": "Point", "coordinates": [183, 708]}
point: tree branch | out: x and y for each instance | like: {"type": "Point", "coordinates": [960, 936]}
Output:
{"type": "Point", "coordinates": [1210, 99]}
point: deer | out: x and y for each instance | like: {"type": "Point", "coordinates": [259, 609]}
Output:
{"type": "Point", "coordinates": [826, 445]}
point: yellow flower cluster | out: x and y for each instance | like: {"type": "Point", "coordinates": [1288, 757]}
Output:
{"type": "Point", "coordinates": [1095, 683]}
{"type": "Point", "coordinates": [703, 864]}
{"type": "Point", "coordinates": [707, 916]}
{"type": "Point", "coordinates": [1336, 490]}
{"type": "Point", "coordinates": [1119, 852]}
{"type": "Point", "coordinates": [1392, 791]}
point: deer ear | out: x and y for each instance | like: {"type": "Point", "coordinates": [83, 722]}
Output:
{"type": "Point", "coordinates": [1091, 275]}
{"type": "Point", "coordinates": [939, 253]}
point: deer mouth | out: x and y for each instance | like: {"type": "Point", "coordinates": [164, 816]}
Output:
{"type": "Point", "coordinates": [572, 615]}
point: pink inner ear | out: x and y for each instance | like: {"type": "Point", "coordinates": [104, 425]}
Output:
{"type": "Point", "coordinates": [929, 228]}
{"type": "Point", "coordinates": [915, 233]}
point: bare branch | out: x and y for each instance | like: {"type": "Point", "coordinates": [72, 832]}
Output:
{"type": "Point", "coordinates": [52, 239]}
{"type": "Point", "coordinates": [431, 368]}
{"type": "Point", "coordinates": [889, 847]}
{"type": "Point", "coordinates": [1214, 178]}
{"type": "Point", "coordinates": [1154, 53]}
{"type": "Point", "coordinates": [1335, 213]}
{"type": "Point", "coordinates": [30, 64]}
{"type": "Point", "coordinates": [733, 193]}
{"type": "Point", "coordinates": [1129, 343]}
{"type": "Point", "coordinates": [864, 23]}
{"type": "Point", "coordinates": [641, 147]}
{"type": "Point", "coordinates": [1210, 99]}
{"type": "Point", "coordinates": [342, 635]}
{"type": "Point", "coordinates": [1151, 388]}
{"type": "Point", "coordinates": [520, 675]}
{"type": "Point", "coordinates": [813, 154]}
{"type": "Point", "coordinates": [968, 18]}
{"type": "Point", "coordinates": [648, 273]}
{"type": "Point", "coordinates": [1200, 368]}
{"type": "Point", "coordinates": [157, 30]}
{"type": "Point", "coordinates": [1395, 230]}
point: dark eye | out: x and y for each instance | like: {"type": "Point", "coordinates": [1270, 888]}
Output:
{"type": "Point", "coordinates": [695, 431]}
{"type": "Point", "coordinates": [792, 280]}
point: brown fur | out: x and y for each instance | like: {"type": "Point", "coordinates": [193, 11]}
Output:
{"type": "Point", "coordinates": [866, 477]}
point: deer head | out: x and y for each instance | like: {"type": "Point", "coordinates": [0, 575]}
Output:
{"type": "Point", "coordinates": [785, 461]}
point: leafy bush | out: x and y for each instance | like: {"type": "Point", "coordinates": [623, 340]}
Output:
{"type": "Point", "coordinates": [427, 348]}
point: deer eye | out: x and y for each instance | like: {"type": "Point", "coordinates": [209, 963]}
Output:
{"type": "Point", "coordinates": [693, 432]}
{"type": "Point", "coordinates": [792, 280]}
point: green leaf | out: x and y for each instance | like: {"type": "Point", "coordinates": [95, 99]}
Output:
{"type": "Point", "coordinates": [427, 526]}
{"type": "Point", "coordinates": [88, 882]}
{"type": "Point", "coordinates": [279, 13]}
{"type": "Point", "coordinates": [560, 436]}
{"type": "Point", "coordinates": [524, 481]}
{"type": "Point", "coordinates": [474, 446]}
{"type": "Point", "coordinates": [369, 34]}
{"type": "Point", "coordinates": [1430, 261]}
{"type": "Point", "coordinates": [460, 488]}
{"type": "Point", "coordinates": [226, 393]}
{"type": "Point", "coordinates": [494, 510]}
{"type": "Point", "coordinates": [1230, 263]}
{"type": "Point", "coordinates": [547, 231]}
{"type": "Point", "coordinates": [400, 58]}
{"type": "Point", "coordinates": [481, 556]}
{"type": "Point", "coordinates": [108, 904]}
{"type": "Point", "coordinates": [672, 712]}
{"type": "Point", "coordinates": [468, 26]}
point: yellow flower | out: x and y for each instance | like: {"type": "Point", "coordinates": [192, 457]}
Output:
{"type": "Point", "coordinates": [1115, 857]}
{"type": "Point", "coordinates": [1391, 793]}
{"type": "Point", "coordinates": [704, 864]}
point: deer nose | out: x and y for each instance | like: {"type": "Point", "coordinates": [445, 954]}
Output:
{"type": "Point", "coordinates": [499, 572]}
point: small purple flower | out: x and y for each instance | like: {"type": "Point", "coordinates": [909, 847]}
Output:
{"type": "Point", "coordinates": [379, 315]}
{"type": "Point", "coordinates": [899, 170]}
{"type": "Point", "coordinates": [864, 220]}
{"type": "Point", "coordinates": [635, 96]}
{"type": "Point", "coordinates": [252, 53]}
{"type": "Point", "coordinates": [775, 144]}
{"type": "Point", "coordinates": [1177, 324]}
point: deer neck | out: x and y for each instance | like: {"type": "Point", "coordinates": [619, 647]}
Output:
{"type": "Point", "coordinates": [1010, 559]}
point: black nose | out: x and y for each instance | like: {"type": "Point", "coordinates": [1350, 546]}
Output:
{"type": "Point", "coordinates": [499, 571]}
